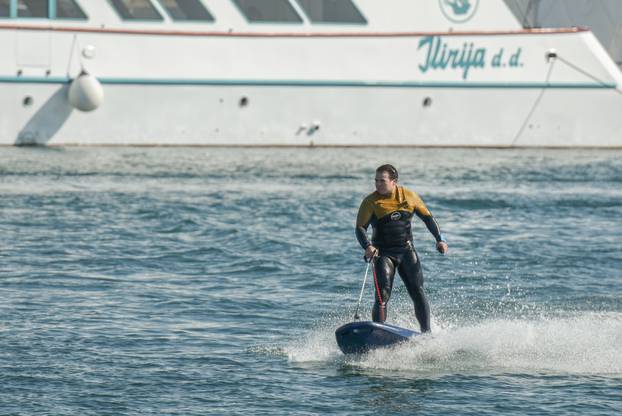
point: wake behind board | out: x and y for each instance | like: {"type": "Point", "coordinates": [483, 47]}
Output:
{"type": "Point", "coordinates": [360, 337]}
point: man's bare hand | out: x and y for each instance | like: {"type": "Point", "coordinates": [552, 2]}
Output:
{"type": "Point", "coordinates": [370, 252]}
{"type": "Point", "coordinates": [442, 247]}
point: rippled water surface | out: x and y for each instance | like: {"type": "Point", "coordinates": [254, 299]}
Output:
{"type": "Point", "coordinates": [195, 281]}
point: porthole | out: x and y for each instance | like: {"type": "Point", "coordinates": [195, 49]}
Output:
{"type": "Point", "coordinates": [27, 101]}
{"type": "Point", "coordinates": [427, 101]}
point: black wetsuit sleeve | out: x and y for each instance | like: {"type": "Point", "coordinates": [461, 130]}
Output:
{"type": "Point", "coordinates": [432, 225]}
{"type": "Point", "coordinates": [361, 236]}
{"type": "Point", "coordinates": [363, 219]}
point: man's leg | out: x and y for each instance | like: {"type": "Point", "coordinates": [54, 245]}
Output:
{"type": "Point", "coordinates": [412, 275]}
{"type": "Point", "coordinates": [384, 272]}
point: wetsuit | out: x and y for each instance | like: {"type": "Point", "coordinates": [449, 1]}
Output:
{"type": "Point", "coordinates": [390, 217]}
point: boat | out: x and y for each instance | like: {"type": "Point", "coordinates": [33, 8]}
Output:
{"type": "Point", "coordinates": [443, 73]}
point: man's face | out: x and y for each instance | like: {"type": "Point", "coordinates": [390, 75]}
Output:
{"type": "Point", "coordinates": [384, 185]}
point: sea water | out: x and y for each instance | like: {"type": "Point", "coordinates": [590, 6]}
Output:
{"type": "Point", "coordinates": [193, 281]}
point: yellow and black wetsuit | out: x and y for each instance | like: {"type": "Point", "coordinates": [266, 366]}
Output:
{"type": "Point", "coordinates": [390, 217]}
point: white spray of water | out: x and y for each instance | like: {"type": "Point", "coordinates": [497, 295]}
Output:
{"type": "Point", "coordinates": [586, 343]}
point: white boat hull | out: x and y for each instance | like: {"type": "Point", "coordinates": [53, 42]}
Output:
{"type": "Point", "coordinates": [308, 116]}
{"type": "Point", "coordinates": [555, 88]}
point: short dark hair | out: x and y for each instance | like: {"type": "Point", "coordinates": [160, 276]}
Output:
{"type": "Point", "coordinates": [390, 169]}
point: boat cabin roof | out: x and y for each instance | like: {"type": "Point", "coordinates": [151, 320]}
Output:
{"type": "Point", "coordinates": [260, 16]}
{"type": "Point", "coordinates": [254, 11]}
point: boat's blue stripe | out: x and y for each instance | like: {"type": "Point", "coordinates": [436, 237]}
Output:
{"type": "Point", "coordinates": [295, 83]}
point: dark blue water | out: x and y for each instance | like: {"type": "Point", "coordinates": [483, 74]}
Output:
{"type": "Point", "coordinates": [209, 281]}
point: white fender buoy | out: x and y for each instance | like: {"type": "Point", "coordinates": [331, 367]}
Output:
{"type": "Point", "coordinates": [86, 92]}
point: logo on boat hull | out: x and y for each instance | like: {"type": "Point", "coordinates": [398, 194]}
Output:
{"type": "Point", "coordinates": [458, 11]}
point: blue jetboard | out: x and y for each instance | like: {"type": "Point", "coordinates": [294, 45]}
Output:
{"type": "Point", "coordinates": [361, 336]}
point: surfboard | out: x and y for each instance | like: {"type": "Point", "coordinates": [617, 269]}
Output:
{"type": "Point", "coordinates": [362, 336]}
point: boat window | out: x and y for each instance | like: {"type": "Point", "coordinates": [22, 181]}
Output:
{"type": "Point", "coordinates": [268, 11]}
{"type": "Point", "coordinates": [5, 8]}
{"type": "Point", "coordinates": [69, 9]}
{"type": "Point", "coordinates": [32, 8]}
{"type": "Point", "coordinates": [332, 11]}
{"type": "Point", "coordinates": [136, 9]}
{"type": "Point", "coordinates": [186, 10]}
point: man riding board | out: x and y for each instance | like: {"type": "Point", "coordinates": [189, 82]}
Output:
{"type": "Point", "coordinates": [389, 210]}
